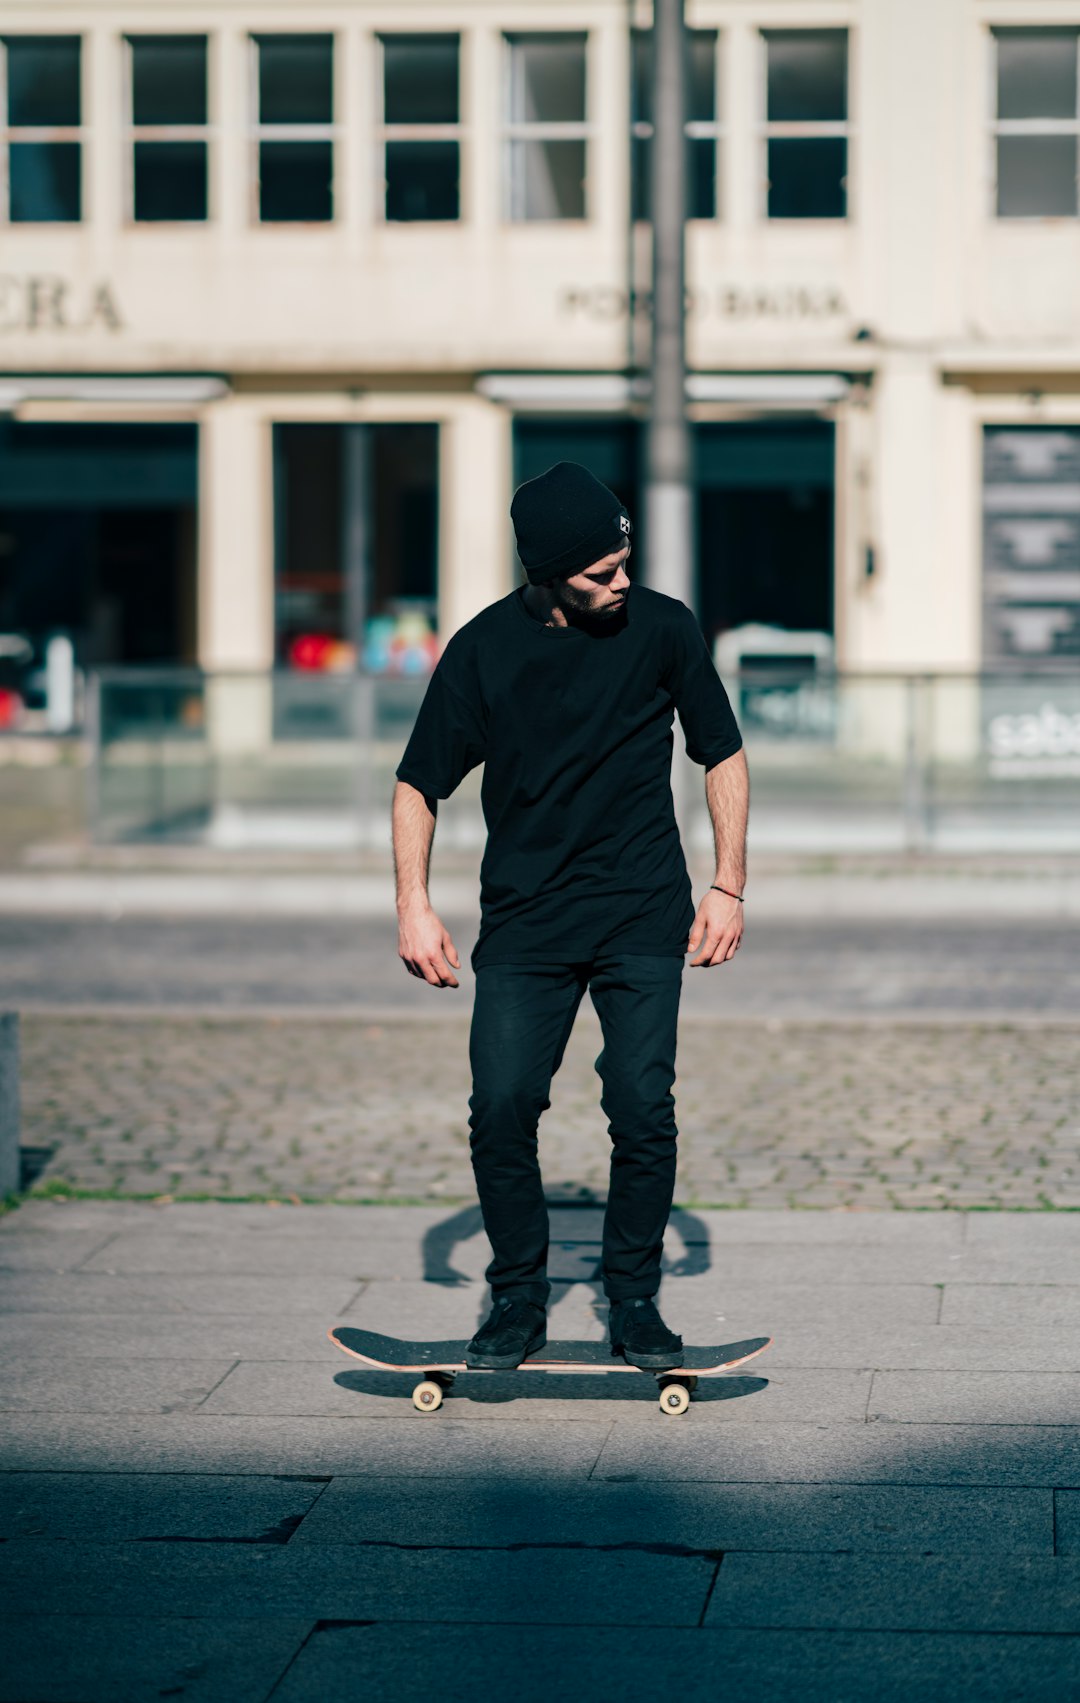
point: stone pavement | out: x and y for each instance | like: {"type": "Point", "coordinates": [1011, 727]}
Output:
{"type": "Point", "coordinates": [772, 1113]}
{"type": "Point", "coordinates": [200, 1498]}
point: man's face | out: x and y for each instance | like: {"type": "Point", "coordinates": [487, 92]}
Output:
{"type": "Point", "coordinates": [598, 592]}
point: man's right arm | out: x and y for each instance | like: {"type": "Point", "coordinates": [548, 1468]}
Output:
{"type": "Point", "coordinates": [424, 945]}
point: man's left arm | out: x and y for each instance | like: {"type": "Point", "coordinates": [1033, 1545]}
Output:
{"type": "Point", "coordinates": [718, 925]}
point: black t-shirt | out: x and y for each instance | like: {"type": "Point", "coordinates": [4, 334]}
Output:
{"type": "Point", "coordinates": [574, 728]}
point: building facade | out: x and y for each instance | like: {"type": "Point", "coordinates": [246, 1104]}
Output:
{"type": "Point", "coordinates": [292, 296]}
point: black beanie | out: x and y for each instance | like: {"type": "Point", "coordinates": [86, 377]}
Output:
{"type": "Point", "coordinates": [564, 520]}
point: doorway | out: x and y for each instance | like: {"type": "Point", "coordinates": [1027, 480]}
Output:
{"type": "Point", "coordinates": [765, 525]}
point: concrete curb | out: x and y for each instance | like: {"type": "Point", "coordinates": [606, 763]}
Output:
{"type": "Point", "coordinates": [769, 897]}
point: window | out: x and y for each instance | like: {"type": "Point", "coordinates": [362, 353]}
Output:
{"type": "Point", "coordinates": [41, 137]}
{"type": "Point", "coordinates": [1036, 128]}
{"type": "Point", "coordinates": [702, 129]}
{"type": "Point", "coordinates": [295, 133]}
{"type": "Point", "coordinates": [546, 133]}
{"type": "Point", "coordinates": [1031, 544]}
{"type": "Point", "coordinates": [356, 545]}
{"type": "Point", "coordinates": [167, 75]}
{"type": "Point", "coordinates": [421, 138]}
{"type": "Point", "coordinates": [806, 124]}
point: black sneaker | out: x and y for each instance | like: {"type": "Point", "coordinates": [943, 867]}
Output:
{"type": "Point", "coordinates": [640, 1335]}
{"type": "Point", "coordinates": [514, 1330]}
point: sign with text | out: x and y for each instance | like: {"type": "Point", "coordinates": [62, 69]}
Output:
{"type": "Point", "coordinates": [46, 301]}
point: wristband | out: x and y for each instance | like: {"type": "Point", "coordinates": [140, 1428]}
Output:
{"type": "Point", "coordinates": [715, 889]}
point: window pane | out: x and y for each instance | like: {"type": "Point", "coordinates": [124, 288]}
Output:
{"type": "Point", "coordinates": [806, 177]}
{"type": "Point", "coordinates": [422, 180]}
{"type": "Point", "coordinates": [170, 180]}
{"type": "Point", "coordinates": [548, 180]}
{"type": "Point", "coordinates": [807, 75]}
{"type": "Point", "coordinates": [1036, 174]}
{"type": "Point", "coordinates": [420, 79]}
{"type": "Point", "coordinates": [45, 187]}
{"type": "Point", "coordinates": [296, 79]}
{"type": "Point", "coordinates": [548, 80]}
{"type": "Point", "coordinates": [295, 181]}
{"type": "Point", "coordinates": [168, 79]}
{"type": "Point", "coordinates": [701, 75]}
{"type": "Point", "coordinates": [1036, 73]}
{"type": "Point", "coordinates": [700, 177]}
{"type": "Point", "coordinates": [43, 79]}
{"type": "Point", "coordinates": [641, 77]}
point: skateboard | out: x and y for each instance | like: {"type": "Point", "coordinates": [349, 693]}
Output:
{"type": "Point", "coordinates": [439, 1363]}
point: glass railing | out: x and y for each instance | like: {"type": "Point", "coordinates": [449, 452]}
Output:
{"type": "Point", "coordinates": [839, 762]}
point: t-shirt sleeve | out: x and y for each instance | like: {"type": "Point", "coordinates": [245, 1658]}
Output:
{"type": "Point", "coordinates": [448, 739]}
{"type": "Point", "coordinates": [708, 720]}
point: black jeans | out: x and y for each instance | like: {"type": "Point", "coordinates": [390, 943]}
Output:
{"type": "Point", "coordinates": [522, 1018]}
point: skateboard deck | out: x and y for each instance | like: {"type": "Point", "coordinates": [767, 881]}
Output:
{"type": "Point", "coordinates": [438, 1363]}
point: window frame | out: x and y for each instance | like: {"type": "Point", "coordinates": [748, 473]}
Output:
{"type": "Point", "coordinates": [11, 134]}
{"type": "Point", "coordinates": [320, 131]}
{"type": "Point", "coordinates": [1028, 126]}
{"type": "Point", "coordinates": [385, 133]}
{"type": "Point", "coordinates": [542, 130]}
{"type": "Point", "coordinates": [808, 128]}
{"type": "Point", "coordinates": [705, 129]}
{"type": "Point", "coordinates": [205, 133]}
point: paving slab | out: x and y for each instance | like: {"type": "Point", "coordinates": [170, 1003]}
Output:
{"type": "Point", "coordinates": [1010, 1230]}
{"type": "Point", "coordinates": [25, 1250]}
{"type": "Point", "coordinates": [705, 1518]}
{"type": "Point", "coordinates": [977, 1398]}
{"type": "Point", "coordinates": [138, 1251]}
{"type": "Point", "coordinates": [113, 1507]}
{"type": "Point", "coordinates": [903, 1593]}
{"type": "Point", "coordinates": [1012, 1305]}
{"type": "Point", "coordinates": [43, 1384]}
{"type": "Point", "coordinates": [126, 1658]}
{"type": "Point", "coordinates": [700, 1665]}
{"type": "Point", "coordinates": [208, 1442]}
{"type": "Point", "coordinates": [187, 1336]}
{"type": "Point", "coordinates": [533, 1586]}
{"type": "Point", "coordinates": [715, 1452]}
{"type": "Point", "coordinates": [777, 1306]}
{"type": "Point", "coordinates": [938, 1348]}
{"type": "Point", "coordinates": [98, 1293]}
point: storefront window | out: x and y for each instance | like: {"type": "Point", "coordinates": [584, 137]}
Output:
{"type": "Point", "coordinates": [702, 129]}
{"type": "Point", "coordinates": [806, 124]}
{"type": "Point", "coordinates": [295, 133]}
{"type": "Point", "coordinates": [421, 138]}
{"type": "Point", "coordinates": [356, 547]}
{"type": "Point", "coordinates": [1036, 127]}
{"type": "Point", "coordinates": [42, 136]}
{"type": "Point", "coordinates": [168, 135]}
{"type": "Point", "coordinates": [546, 131]}
{"type": "Point", "coordinates": [1031, 544]}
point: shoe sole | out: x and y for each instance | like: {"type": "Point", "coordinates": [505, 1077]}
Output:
{"type": "Point", "coordinates": [503, 1362]}
{"type": "Point", "coordinates": [650, 1362]}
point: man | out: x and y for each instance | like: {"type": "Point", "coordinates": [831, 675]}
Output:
{"type": "Point", "coordinates": [566, 690]}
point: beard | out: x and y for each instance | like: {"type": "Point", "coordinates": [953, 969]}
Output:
{"type": "Point", "coordinates": [582, 607]}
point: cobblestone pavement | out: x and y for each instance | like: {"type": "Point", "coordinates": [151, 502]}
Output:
{"type": "Point", "coordinates": [772, 1113]}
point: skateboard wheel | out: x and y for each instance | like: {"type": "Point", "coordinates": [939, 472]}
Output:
{"type": "Point", "coordinates": [427, 1396]}
{"type": "Point", "coordinates": [674, 1398]}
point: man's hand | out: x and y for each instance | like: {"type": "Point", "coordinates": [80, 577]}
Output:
{"type": "Point", "coordinates": [426, 949]}
{"type": "Point", "coordinates": [717, 930]}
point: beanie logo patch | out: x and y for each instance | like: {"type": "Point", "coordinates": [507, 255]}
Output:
{"type": "Point", "coordinates": [624, 524]}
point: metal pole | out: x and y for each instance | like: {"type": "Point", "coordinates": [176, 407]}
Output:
{"type": "Point", "coordinates": [668, 507]}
